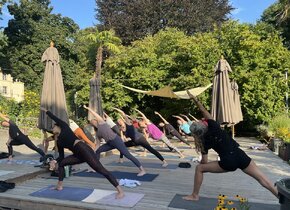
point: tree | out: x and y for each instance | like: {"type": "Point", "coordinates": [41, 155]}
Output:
{"type": "Point", "coordinates": [100, 41]}
{"type": "Point", "coordinates": [29, 33]}
{"type": "Point", "coordinates": [170, 57]}
{"type": "Point", "coordinates": [277, 16]}
{"type": "Point", "coordinates": [133, 20]}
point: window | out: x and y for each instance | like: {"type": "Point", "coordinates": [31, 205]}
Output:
{"type": "Point", "coordinates": [4, 89]}
{"type": "Point", "coordinates": [4, 77]}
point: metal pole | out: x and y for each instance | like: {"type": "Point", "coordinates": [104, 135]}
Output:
{"type": "Point", "coordinates": [286, 98]}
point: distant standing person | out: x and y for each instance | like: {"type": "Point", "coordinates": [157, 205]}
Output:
{"type": "Point", "coordinates": [171, 130]}
{"type": "Point", "coordinates": [156, 133]}
{"type": "Point", "coordinates": [209, 135]}
{"type": "Point", "coordinates": [137, 139]}
{"type": "Point", "coordinates": [16, 137]}
{"type": "Point", "coordinates": [113, 141]}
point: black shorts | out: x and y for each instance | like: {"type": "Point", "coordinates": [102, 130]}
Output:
{"type": "Point", "coordinates": [234, 160]}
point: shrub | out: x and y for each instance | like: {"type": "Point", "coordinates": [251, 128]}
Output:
{"type": "Point", "coordinates": [280, 126]}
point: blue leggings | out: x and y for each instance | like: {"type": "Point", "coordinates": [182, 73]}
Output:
{"type": "Point", "coordinates": [118, 144]}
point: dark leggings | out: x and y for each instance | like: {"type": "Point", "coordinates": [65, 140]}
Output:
{"type": "Point", "coordinates": [142, 142]}
{"type": "Point", "coordinates": [177, 134]}
{"type": "Point", "coordinates": [84, 153]}
{"type": "Point", "coordinates": [118, 144]}
{"type": "Point", "coordinates": [22, 139]}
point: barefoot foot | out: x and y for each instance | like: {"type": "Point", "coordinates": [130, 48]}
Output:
{"type": "Point", "coordinates": [191, 198]}
{"type": "Point", "coordinates": [165, 164]}
{"type": "Point", "coordinates": [120, 195]}
{"type": "Point", "coordinates": [141, 173]}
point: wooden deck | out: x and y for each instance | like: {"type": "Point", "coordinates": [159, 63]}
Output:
{"type": "Point", "coordinates": [158, 193]}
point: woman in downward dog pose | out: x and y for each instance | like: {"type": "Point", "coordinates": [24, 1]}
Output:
{"type": "Point", "coordinates": [137, 139]}
{"type": "Point", "coordinates": [81, 153]}
{"type": "Point", "coordinates": [156, 133]}
{"type": "Point", "coordinates": [113, 141]}
{"type": "Point", "coordinates": [209, 135]}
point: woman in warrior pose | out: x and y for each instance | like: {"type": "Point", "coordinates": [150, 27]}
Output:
{"type": "Point", "coordinates": [81, 153]}
{"type": "Point", "coordinates": [171, 130]}
{"type": "Point", "coordinates": [156, 133]}
{"type": "Point", "coordinates": [209, 135]}
{"type": "Point", "coordinates": [113, 141]}
{"type": "Point", "coordinates": [137, 139]}
{"type": "Point", "coordinates": [16, 137]}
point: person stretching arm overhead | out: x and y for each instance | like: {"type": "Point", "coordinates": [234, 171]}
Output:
{"type": "Point", "coordinates": [171, 130]}
{"type": "Point", "coordinates": [209, 135]}
{"type": "Point", "coordinates": [157, 134]}
{"type": "Point", "coordinates": [113, 141]}
{"type": "Point", "coordinates": [137, 139]}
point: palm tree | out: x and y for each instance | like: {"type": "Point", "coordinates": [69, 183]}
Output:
{"type": "Point", "coordinates": [284, 13]}
{"type": "Point", "coordinates": [104, 40]}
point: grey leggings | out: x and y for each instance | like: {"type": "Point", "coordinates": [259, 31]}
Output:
{"type": "Point", "coordinates": [168, 143]}
{"type": "Point", "coordinates": [118, 144]}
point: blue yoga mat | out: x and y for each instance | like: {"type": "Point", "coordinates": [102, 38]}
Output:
{"type": "Point", "coordinates": [144, 164]}
{"type": "Point", "coordinates": [68, 193]}
{"type": "Point", "coordinates": [119, 175]}
{"type": "Point", "coordinates": [210, 203]}
{"type": "Point", "coordinates": [99, 196]}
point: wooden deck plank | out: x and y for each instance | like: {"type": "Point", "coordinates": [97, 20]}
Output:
{"type": "Point", "coordinates": [158, 193]}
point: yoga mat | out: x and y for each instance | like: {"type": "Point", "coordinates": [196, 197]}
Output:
{"type": "Point", "coordinates": [172, 157]}
{"type": "Point", "coordinates": [119, 175]}
{"type": "Point", "coordinates": [2, 173]}
{"type": "Point", "coordinates": [105, 197]}
{"type": "Point", "coordinates": [21, 162]}
{"type": "Point", "coordinates": [210, 203]}
{"type": "Point", "coordinates": [144, 164]}
{"type": "Point", "coordinates": [68, 193]}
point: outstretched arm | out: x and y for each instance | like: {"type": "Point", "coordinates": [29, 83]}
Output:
{"type": "Point", "coordinates": [53, 117]}
{"type": "Point", "coordinates": [143, 116]}
{"type": "Point", "coordinates": [162, 118]}
{"type": "Point", "coordinates": [195, 119]}
{"type": "Point", "coordinates": [96, 115]}
{"type": "Point", "coordinates": [183, 115]}
{"type": "Point", "coordinates": [125, 117]}
{"type": "Point", "coordinates": [178, 117]}
{"type": "Point", "coordinates": [4, 117]}
{"type": "Point", "coordinates": [204, 112]}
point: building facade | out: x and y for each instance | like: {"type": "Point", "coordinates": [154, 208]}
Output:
{"type": "Point", "coordinates": [11, 89]}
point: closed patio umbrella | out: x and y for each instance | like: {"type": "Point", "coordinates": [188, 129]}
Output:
{"type": "Point", "coordinates": [225, 107]}
{"type": "Point", "coordinates": [222, 94]}
{"type": "Point", "coordinates": [95, 100]}
{"type": "Point", "coordinates": [52, 96]}
{"type": "Point", "coordinates": [237, 111]}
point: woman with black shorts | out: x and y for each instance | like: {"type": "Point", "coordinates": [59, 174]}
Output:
{"type": "Point", "coordinates": [209, 135]}
{"type": "Point", "coordinates": [81, 153]}
{"type": "Point", "coordinates": [137, 139]}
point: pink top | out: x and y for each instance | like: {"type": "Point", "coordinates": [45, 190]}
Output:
{"type": "Point", "coordinates": [154, 132]}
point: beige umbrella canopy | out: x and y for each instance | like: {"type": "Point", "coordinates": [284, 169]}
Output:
{"type": "Point", "coordinates": [237, 111]}
{"type": "Point", "coordinates": [223, 107]}
{"type": "Point", "coordinates": [52, 96]}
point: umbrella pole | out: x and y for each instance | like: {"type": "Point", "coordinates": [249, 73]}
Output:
{"type": "Point", "coordinates": [233, 131]}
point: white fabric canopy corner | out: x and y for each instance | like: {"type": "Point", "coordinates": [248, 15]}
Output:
{"type": "Point", "coordinates": [167, 92]}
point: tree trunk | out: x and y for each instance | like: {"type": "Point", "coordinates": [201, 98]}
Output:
{"type": "Point", "coordinates": [99, 60]}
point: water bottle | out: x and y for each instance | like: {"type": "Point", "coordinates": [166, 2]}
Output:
{"type": "Point", "coordinates": [66, 171]}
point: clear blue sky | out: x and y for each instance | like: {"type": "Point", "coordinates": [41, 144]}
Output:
{"type": "Point", "coordinates": [82, 11]}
